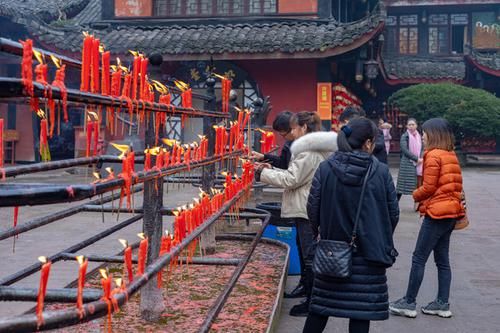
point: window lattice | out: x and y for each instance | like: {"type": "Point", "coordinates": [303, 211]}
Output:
{"type": "Point", "coordinates": [214, 7]}
{"type": "Point", "coordinates": [459, 19]}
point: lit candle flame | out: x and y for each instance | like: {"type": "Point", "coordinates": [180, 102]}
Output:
{"type": "Point", "coordinates": [134, 53]}
{"type": "Point", "coordinates": [122, 148]}
{"type": "Point", "coordinates": [104, 273]}
{"type": "Point", "coordinates": [43, 259]}
{"type": "Point", "coordinates": [40, 113]}
{"type": "Point", "coordinates": [170, 142]}
{"type": "Point", "coordinates": [141, 235]}
{"type": "Point", "coordinates": [191, 206]}
{"type": "Point", "coordinates": [39, 56]}
{"type": "Point", "coordinates": [93, 115]}
{"type": "Point", "coordinates": [201, 136]}
{"type": "Point", "coordinates": [80, 259]}
{"type": "Point", "coordinates": [56, 61]}
{"type": "Point", "coordinates": [97, 175]}
{"type": "Point", "coordinates": [101, 48]}
{"type": "Point", "coordinates": [181, 85]}
{"type": "Point", "coordinates": [196, 200]}
{"type": "Point", "coordinates": [184, 207]}
{"type": "Point", "coordinates": [166, 233]}
{"type": "Point", "coordinates": [160, 87]}
{"type": "Point", "coordinates": [85, 33]}
{"type": "Point", "coordinates": [123, 242]}
{"type": "Point", "coordinates": [119, 282]}
{"type": "Point", "coordinates": [219, 76]}
{"type": "Point", "coordinates": [175, 212]}
{"type": "Point", "coordinates": [109, 170]}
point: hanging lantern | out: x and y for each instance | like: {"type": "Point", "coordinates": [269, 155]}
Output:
{"type": "Point", "coordinates": [371, 69]}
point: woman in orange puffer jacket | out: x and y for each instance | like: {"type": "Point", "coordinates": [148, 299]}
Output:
{"type": "Point", "coordinates": [440, 204]}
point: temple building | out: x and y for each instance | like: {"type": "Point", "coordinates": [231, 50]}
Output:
{"type": "Point", "coordinates": [306, 55]}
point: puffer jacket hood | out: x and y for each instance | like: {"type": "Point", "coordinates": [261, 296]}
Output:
{"type": "Point", "coordinates": [351, 167]}
{"type": "Point", "coordinates": [322, 142]}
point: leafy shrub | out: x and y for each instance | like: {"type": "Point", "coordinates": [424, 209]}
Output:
{"type": "Point", "coordinates": [471, 112]}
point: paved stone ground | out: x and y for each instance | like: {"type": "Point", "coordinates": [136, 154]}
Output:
{"type": "Point", "coordinates": [475, 290]}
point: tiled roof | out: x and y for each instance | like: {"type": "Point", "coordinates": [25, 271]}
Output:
{"type": "Point", "coordinates": [275, 35]}
{"type": "Point", "coordinates": [415, 68]}
{"type": "Point", "coordinates": [91, 13]}
{"type": "Point", "coordinates": [45, 10]}
{"type": "Point", "coordinates": [490, 60]}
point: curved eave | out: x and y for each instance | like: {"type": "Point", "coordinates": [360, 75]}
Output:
{"type": "Point", "coordinates": [337, 50]}
{"type": "Point", "coordinates": [481, 67]}
{"type": "Point", "coordinates": [394, 81]}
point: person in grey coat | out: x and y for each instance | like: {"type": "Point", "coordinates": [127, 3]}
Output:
{"type": "Point", "coordinates": [411, 160]}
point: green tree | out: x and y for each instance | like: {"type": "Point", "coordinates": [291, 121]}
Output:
{"type": "Point", "coordinates": [471, 112]}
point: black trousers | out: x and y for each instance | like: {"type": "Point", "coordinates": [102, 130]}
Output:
{"type": "Point", "coordinates": [316, 324]}
{"type": "Point", "coordinates": [305, 247]}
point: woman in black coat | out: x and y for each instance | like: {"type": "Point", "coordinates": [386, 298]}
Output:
{"type": "Point", "coordinates": [332, 206]}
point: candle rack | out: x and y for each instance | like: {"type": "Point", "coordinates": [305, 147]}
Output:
{"type": "Point", "coordinates": [17, 194]}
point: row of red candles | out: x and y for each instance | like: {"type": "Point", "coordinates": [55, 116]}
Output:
{"type": "Point", "coordinates": [236, 136]}
{"type": "Point", "coordinates": [186, 221]}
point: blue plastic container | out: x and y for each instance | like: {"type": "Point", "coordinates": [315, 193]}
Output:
{"type": "Point", "coordinates": [280, 229]}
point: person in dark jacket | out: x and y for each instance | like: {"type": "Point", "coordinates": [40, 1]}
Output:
{"type": "Point", "coordinates": [350, 113]}
{"type": "Point", "coordinates": [331, 208]}
{"type": "Point", "coordinates": [281, 124]}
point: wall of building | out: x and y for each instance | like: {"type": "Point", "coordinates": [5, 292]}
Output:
{"type": "Point", "coordinates": [124, 8]}
{"type": "Point", "coordinates": [291, 84]}
{"type": "Point", "coordinates": [297, 6]}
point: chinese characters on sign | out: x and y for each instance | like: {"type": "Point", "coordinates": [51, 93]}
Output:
{"type": "Point", "coordinates": [324, 101]}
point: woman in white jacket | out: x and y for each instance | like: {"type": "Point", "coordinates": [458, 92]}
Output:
{"type": "Point", "coordinates": [310, 148]}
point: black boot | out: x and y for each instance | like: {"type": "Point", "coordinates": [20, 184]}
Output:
{"type": "Point", "coordinates": [301, 309]}
{"type": "Point", "coordinates": [299, 291]}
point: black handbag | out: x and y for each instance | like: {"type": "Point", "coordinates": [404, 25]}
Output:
{"type": "Point", "coordinates": [334, 258]}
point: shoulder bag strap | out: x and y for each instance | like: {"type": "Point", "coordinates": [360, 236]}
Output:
{"type": "Point", "coordinates": [360, 204]}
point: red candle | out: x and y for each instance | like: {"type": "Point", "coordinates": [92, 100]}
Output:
{"type": "Point", "coordinates": [81, 282]}
{"type": "Point", "coordinates": [116, 81]}
{"type": "Point", "coordinates": [144, 70]}
{"type": "Point", "coordinates": [16, 214]}
{"type": "Point", "coordinates": [127, 258]}
{"type": "Point", "coordinates": [131, 161]}
{"type": "Point", "coordinates": [167, 159]}
{"type": "Point", "coordinates": [126, 85]}
{"type": "Point", "coordinates": [106, 284]}
{"type": "Point", "coordinates": [159, 160]}
{"type": "Point", "coordinates": [179, 152]}
{"type": "Point", "coordinates": [231, 138]}
{"type": "Point", "coordinates": [27, 66]}
{"type": "Point", "coordinates": [41, 71]}
{"type": "Point", "coordinates": [94, 74]}
{"type": "Point", "coordinates": [245, 121]}
{"type": "Point", "coordinates": [136, 69]}
{"type": "Point", "coordinates": [42, 289]}
{"type": "Point", "coordinates": [147, 160]}
{"type": "Point", "coordinates": [86, 62]}
{"type": "Point", "coordinates": [105, 84]}
{"type": "Point", "coordinates": [143, 252]}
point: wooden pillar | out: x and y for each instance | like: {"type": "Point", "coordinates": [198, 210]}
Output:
{"type": "Point", "coordinates": [152, 302]}
{"type": "Point", "coordinates": [208, 175]}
